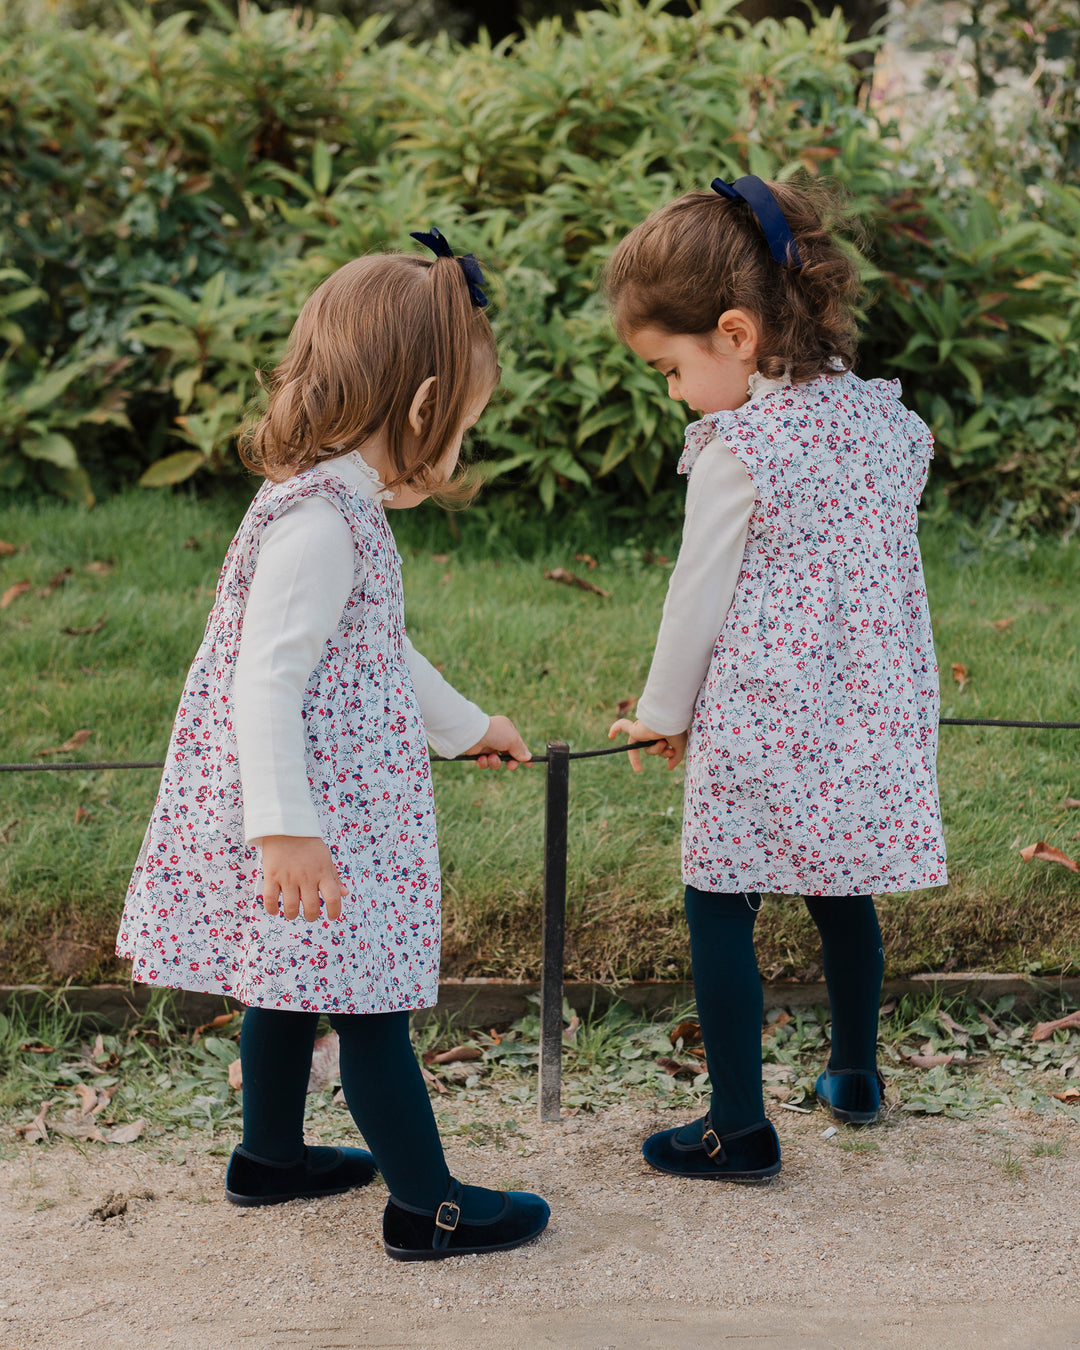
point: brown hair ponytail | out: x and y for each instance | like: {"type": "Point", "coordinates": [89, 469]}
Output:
{"type": "Point", "coordinates": [363, 344]}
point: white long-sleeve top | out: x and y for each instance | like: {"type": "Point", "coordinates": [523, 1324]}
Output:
{"type": "Point", "coordinates": [302, 580]}
{"type": "Point", "coordinates": [719, 503]}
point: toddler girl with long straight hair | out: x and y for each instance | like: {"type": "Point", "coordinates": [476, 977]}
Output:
{"type": "Point", "coordinates": [794, 664]}
{"type": "Point", "coordinates": [291, 859]}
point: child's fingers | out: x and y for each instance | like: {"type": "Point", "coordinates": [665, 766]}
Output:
{"type": "Point", "coordinates": [333, 893]}
{"type": "Point", "coordinates": [269, 895]}
{"type": "Point", "coordinates": [290, 900]}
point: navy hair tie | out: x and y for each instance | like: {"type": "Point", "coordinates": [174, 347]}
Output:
{"type": "Point", "coordinates": [765, 207]}
{"type": "Point", "coordinates": [474, 278]}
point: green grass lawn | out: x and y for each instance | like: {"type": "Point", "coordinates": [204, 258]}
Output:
{"type": "Point", "coordinates": [104, 648]}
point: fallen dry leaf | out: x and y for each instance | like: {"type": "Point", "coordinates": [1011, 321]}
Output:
{"type": "Point", "coordinates": [222, 1020]}
{"type": "Point", "coordinates": [1048, 853]}
{"type": "Point", "coordinates": [1071, 803]}
{"type": "Point", "coordinates": [325, 1063]}
{"type": "Point", "coordinates": [127, 1134]}
{"type": "Point", "coordinates": [781, 1020]}
{"type": "Point", "coordinates": [989, 1022]}
{"type": "Point", "coordinates": [441, 558]}
{"type": "Point", "coordinates": [1070, 1095]}
{"type": "Point", "coordinates": [37, 1048]}
{"type": "Point", "coordinates": [587, 559]}
{"type": "Point", "coordinates": [98, 569]}
{"type": "Point", "coordinates": [84, 632]}
{"type": "Point", "coordinates": [454, 1056]}
{"type": "Point", "coordinates": [85, 1129]}
{"type": "Point", "coordinates": [960, 673]}
{"type": "Point", "coordinates": [1044, 1030]}
{"type": "Point", "coordinates": [236, 1075]}
{"type": "Point", "coordinates": [191, 543]}
{"type": "Point", "coordinates": [1003, 625]}
{"type": "Point", "coordinates": [88, 1098]}
{"type": "Point", "coordinates": [686, 1032]}
{"type": "Point", "coordinates": [36, 1130]}
{"type": "Point", "coordinates": [430, 1077]}
{"type": "Point", "coordinates": [928, 1061]}
{"type": "Point", "coordinates": [570, 579]}
{"type": "Point", "coordinates": [13, 592]}
{"type": "Point", "coordinates": [959, 1035]}
{"type": "Point", "coordinates": [570, 1033]}
{"type": "Point", "coordinates": [674, 1067]}
{"type": "Point", "coordinates": [81, 814]}
{"type": "Point", "coordinates": [624, 705]}
{"type": "Point", "coordinates": [6, 549]}
{"type": "Point", "coordinates": [496, 1039]}
{"type": "Point", "coordinates": [59, 579]}
{"type": "Point", "coordinates": [72, 743]}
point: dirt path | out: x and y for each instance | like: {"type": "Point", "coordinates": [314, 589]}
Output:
{"type": "Point", "coordinates": [921, 1232]}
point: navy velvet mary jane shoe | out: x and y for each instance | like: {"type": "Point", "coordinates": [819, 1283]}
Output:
{"type": "Point", "coordinates": [852, 1095]}
{"type": "Point", "coordinates": [696, 1150]}
{"type": "Point", "coordinates": [411, 1234]}
{"type": "Point", "coordinates": [321, 1171]}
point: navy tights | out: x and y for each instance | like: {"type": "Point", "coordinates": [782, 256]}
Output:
{"type": "Point", "coordinates": [383, 1086]}
{"type": "Point", "coordinates": [727, 988]}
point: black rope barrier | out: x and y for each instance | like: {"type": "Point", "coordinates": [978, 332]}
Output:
{"type": "Point", "coordinates": [556, 827]}
{"type": "Point", "coordinates": [92, 766]}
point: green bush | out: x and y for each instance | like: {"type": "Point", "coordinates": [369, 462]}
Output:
{"type": "Point", "coordinates": [172, 195]}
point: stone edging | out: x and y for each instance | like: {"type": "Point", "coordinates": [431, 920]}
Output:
{"type": "Point", "coordinates": [484, 1002]}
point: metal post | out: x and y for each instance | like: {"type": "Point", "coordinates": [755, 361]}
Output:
{"type": "Point", "coordinates": [556, 808]}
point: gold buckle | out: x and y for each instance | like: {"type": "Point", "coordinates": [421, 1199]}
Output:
{"type": "Point", "coordinates": [711, 1152]}
{"type": "Point", "coordinates": [447, 1216]}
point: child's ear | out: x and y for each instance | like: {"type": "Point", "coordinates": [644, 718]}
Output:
{"type": "Point", "coordinates": [739, 333]}
{"type": "Point", "coordinates": [418, 409]}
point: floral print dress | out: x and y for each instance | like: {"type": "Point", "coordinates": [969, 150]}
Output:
{"type": "Point", "coordinates": [811, 758]}
{"type": "Point", "coordinates": [193, 918]}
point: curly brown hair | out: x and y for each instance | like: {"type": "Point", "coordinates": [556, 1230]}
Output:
{"type": "Point", "coordinates": [363, 344]}
{"type": "Point", "coordinates": [702, 254]}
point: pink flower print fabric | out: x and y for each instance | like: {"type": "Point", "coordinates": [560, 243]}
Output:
{"type": "Point", "coordinates": [193, 917]}
{"type": "Point", "coordinates": [811, 758]}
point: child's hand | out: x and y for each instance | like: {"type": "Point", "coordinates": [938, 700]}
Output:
{"type": "Point", "coordinates": [297, 868]}
{"type": "Point", "coordinates": [501, 738]}
{"type": "Point", "coordinates": [672, 747]}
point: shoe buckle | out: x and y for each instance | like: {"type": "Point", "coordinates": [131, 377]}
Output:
{"type": "Point", "coordinates": [447, 1216]}
{"type": "Point", "coordinates": [716, 1146]}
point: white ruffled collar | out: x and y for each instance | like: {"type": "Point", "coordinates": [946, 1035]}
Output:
{"type": "Point", "coordinates": [379, 491]}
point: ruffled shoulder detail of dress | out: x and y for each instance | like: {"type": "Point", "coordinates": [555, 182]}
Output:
{"type": "Point", "coordinates": [699, 434]}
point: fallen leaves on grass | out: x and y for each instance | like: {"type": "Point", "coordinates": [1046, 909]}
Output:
{"type": "Point", "coordinates": [560, 574]}
{"type": "Point", "coordinates": [1003, 625]}
{"type": "Point", "coordinates": [1048, 853]}
{"type": "Point", "coordinates": [990, 1024]}
{"type": "Point", "coordinates": [57, 580]}
{"type": "Point", "coordinates": [624, 705]}
{"type": "Point", "coordinates": [960, 674]}
{"type": "Point", "coordinates": [72, 743]}
{"type": "Point", "coordinates": [1044, 1030]}
{"type": "Point", "coordinates": [13, 592]}
{"type": "Point", "coordinates": [98, 568]}
{"type": "Point", "coordinates": [780, 1020]}
{"type": "Point", "coordinates": [687, 1032]}
{"type": "Point", "coordinates": [81, 814]}
{"type": "Point", "coordinates": [1071, 803]}
{"type": "Point", "coordinates": [236, 1075]}
{"type": "Point", "coordinates": [587, 559]}
{"type": "Point", "coordinates": [6, 549]}
{"type": "Point", "coordinates": [430, 1077]}
{"type": "Point", "coordinates": [222, 1020]}
{"type": "Point", "coordinates": [1069, 1096]}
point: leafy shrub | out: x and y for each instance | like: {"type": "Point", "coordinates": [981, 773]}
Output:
{"type": "Point", "coordinates": [172, 195]}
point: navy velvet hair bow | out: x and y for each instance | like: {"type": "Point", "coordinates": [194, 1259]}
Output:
{"type": "Point", "coordinates": [474, 278]}
{"type": "Point", "coordinates": [765, 207]}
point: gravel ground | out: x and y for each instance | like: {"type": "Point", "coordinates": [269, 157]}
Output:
{"type": "Point", "coordinates": [918, 1232]}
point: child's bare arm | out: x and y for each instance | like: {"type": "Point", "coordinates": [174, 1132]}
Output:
{"type": "Point", "coordinates": [296, 870]}
{"type": "Point", "coordinates": [672, 746]}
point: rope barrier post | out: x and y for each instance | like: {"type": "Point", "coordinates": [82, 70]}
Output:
{"type": "Point", "coordinates": [556, 811]}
